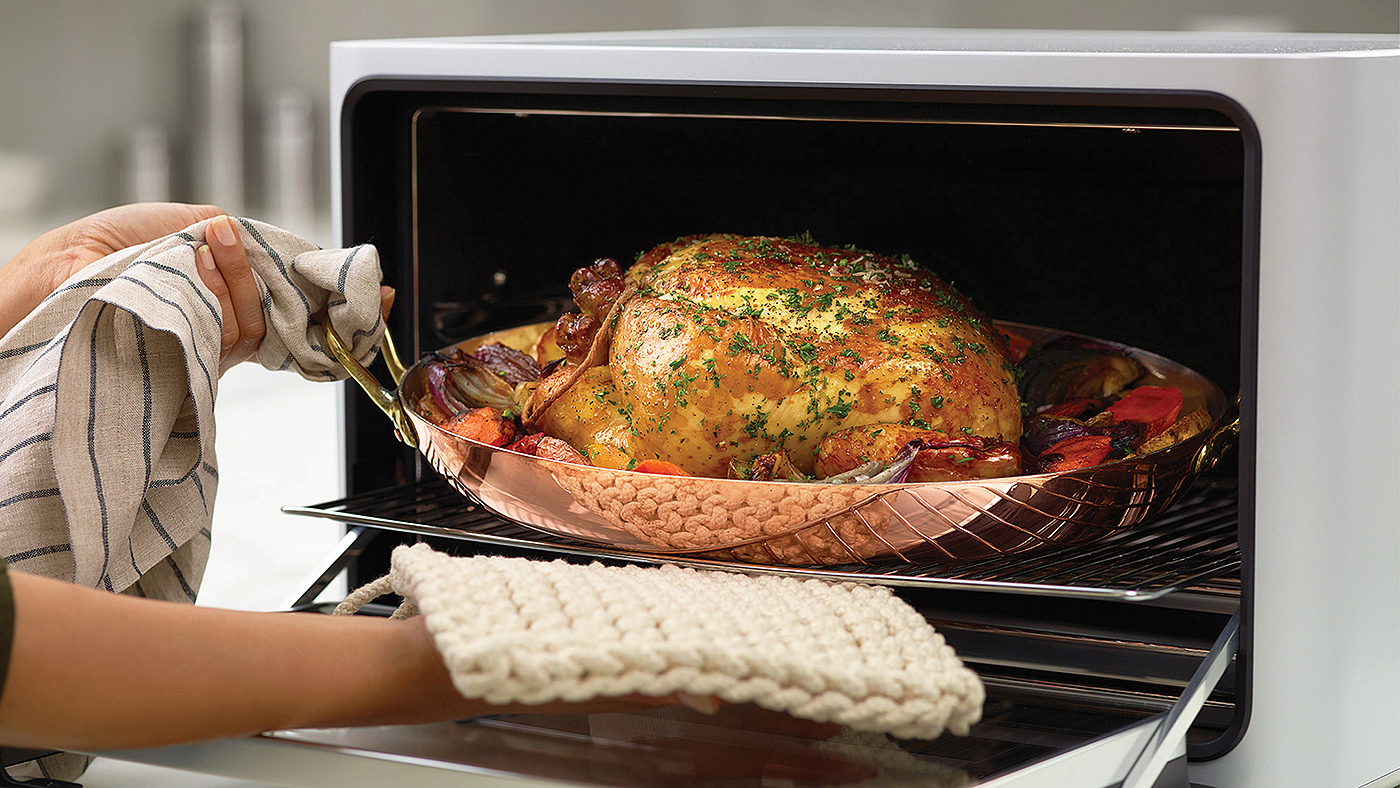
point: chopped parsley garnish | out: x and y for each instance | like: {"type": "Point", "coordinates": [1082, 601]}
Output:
{"type": "Point", "coordinates": [840, 410]}
{"type": "Point", "coordinates": [739, 343]}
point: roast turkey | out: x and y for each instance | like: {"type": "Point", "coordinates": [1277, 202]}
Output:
{"type": "Point", "coordinates": [711, 351]}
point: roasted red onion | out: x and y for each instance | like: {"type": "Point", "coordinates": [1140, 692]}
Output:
{"type": "Point", "coordinates": [878, 473]}
{"type": "Point", "coordinates": [438, 388]}
{"type": "Point", "coordinates": [515, 366]}
{"type": "Point", "coordinates": [1070, 368]}
{"type": "Point", "coordinates": [478, 385]}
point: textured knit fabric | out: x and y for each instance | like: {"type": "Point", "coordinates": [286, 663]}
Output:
{"type": "Point", "coordinates": [107, 389]}
{"type": "Point", "coordinates": [512, 630]}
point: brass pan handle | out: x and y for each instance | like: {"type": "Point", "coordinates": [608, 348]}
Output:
{"type": "Point", "coordinates": [387, 400]}
{"type": "Point", "coordinates": [391, 357]}
{"type": "Point", "coordinates": [1219, 442]}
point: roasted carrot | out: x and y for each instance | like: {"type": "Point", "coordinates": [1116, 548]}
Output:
{"type": "Point", "coordinates": [1019, 345]}
{"type": "Point", "coordinates": [1080, 452]}
{"type": "Point", "coordinates": [1155, 406]}
{"type": "Point", "coordinates": [484, 425]}
{"type": "Point", "coordinates": [660, 467]}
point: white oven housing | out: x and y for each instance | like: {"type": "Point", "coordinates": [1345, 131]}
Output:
{"type": "Point", "coordinates": [1316, 639]}
{"type": "Point", "coordinates": [1322, 620]}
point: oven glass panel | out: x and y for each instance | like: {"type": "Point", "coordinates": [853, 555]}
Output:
{"type": "Point", "coordinates": [1126, 232]}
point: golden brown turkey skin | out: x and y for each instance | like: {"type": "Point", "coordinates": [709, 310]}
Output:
{"type": "Point", "coordinates": [736, 346]}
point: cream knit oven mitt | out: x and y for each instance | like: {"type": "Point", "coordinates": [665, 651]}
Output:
{"type": "Point", "coordinates": [513, 630]}
{"type": "Point", "coordinates": [107, 463]}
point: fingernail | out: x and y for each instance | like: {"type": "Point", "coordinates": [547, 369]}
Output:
{"type": "Point", "coordinates": [222, 228]}
{"type": "Point", "coordinates": [705, 704]}
{"type": "Point", "coordinates": [205, 258]}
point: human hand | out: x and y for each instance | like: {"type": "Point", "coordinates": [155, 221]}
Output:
{"type": "Point", "coordinates": [224, 268]}
{"type": "Point", "coordinates": [223, 265]}
{"type": "Point", "coordinates": [77, 244]}
{"type": "Point", "coordinates": [418, 687]}
{"type": "Point", "coordinates": [53, 257]}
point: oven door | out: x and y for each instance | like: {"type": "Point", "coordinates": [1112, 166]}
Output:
{"type": "Point", "coordinates": [1068, 704]}
{"type": "Point", "coordinates": [670, 749]}
{"type": "Point", "coordinates": [1088, 684]}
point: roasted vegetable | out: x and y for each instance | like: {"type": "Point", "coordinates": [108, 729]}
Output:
{"type": "Point", "coordinates": [1185, 427]}
{"type": "Point", "coordinates": [527, 444]}
{"type": "Point", "coordinates": [1155, 407]}
{"type": "Point", "coordinates": [1073, 368]}
{"type": "Point", "coordinates": [766, 468]}
{"type": "Point", "coordinates": [513, 366]}
{"type": "Point", "coordinates": [486, 378]}
{"type": "Point", "coordinates": [1081, 451]}
{"type": "Point", "coordinates": [660, 467]}
{"type": "Point", "coordinates": [1080, 409]}
{"type": "Point", "coordinates": [1046, 438]}
{"type": "Point", "coordinates": [441, 404]}
{"type": "Point", "coordinates": [484, 425]}
{"type": "Point", "coordinates": [540, 445]}
{"type": "Point", "coordinates": [896, 472]}
{"type": "Point", "coordinates": [555, 449]}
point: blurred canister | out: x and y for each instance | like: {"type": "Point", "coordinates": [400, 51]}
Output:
{"type": "Point", "coordinates": [146, 177]}
{"type": "Point", "coordinates": [218, 139]}
{"type": "Point", "coordinates": [288, 176]}
{"type": "Point", "coordinates": [24, 187]}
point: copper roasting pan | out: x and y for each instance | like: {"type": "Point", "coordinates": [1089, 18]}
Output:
{"type": "Point", "coordinates": [792, 523]}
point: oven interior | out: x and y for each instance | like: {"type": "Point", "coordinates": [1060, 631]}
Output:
{"type": "Point", "coordinates": [1127, 216]}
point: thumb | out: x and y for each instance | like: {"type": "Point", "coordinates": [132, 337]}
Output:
{"type": "Point", "coordinates": [386, 300]}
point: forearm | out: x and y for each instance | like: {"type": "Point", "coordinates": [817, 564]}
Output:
{"type": "Point", "coordinates": [92, 670]}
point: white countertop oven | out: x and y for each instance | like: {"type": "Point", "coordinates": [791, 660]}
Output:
{"type": "Point", "coordinates": [1226, 201]}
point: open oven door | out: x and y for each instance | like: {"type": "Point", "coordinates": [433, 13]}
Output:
{"type": "Point", "coordinates": [739, 745]}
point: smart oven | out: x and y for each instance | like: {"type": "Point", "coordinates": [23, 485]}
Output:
{"type": "Point", "coordinates": [1228, 202]}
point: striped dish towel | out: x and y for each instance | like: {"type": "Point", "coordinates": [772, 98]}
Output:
{"type": "Point", "coordinates": [107, 463]}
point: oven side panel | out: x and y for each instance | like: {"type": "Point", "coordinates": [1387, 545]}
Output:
{"type": "Point", "coordinates": [1327, 539]}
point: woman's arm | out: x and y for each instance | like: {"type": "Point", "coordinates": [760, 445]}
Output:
{"type": "Point", "coordinates": [91, 670]}
{"type": "Point", "coordinates": [39, 268]}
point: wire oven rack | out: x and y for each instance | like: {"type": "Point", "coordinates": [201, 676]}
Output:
{"type": "Point", "coordinates": [1193, 545]}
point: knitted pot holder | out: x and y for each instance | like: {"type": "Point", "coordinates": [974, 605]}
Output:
{"type": "Point", "coordinates": [512, 630]}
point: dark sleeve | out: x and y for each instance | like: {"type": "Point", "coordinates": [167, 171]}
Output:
{"type": "Point", "coordinates": [7, 623]}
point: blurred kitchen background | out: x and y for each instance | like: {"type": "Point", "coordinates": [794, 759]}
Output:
{"type": "Point", "coordinates": [126, 100]}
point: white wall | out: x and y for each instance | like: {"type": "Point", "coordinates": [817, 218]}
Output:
{"type": "Point", "coordinates": [78, 76]}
